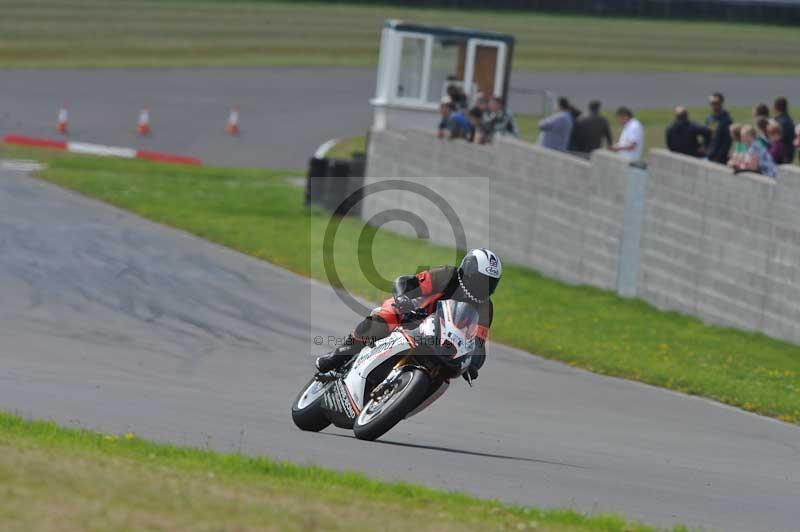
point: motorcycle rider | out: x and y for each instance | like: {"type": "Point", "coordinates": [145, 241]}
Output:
{"type": "Point", "coordinates": [473, 281]}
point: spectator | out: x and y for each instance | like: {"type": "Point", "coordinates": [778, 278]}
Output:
{"type": "Point", "coordinates": [501, 121]}
{"type": "Point", "coordinates": [757, 159]}
{"type": "Point", "coordinates": [590, 131]}
{"type": "Point", "coordinates": [762, 137]}
{"type": "Point", "coordinates": [478, 133]}
{"type": "Point", "coordinates": [482, 103]}
{"type": "Point", "coordinates": [444, 115]}
{"type": "Point", "coordinates": [781, 107]}
{"type": "Point", "coordinates": [776, 148]}
{"type": "Point", "coordinates": [760, 110]}
{"type": "Point", "coordinates": [631, 139]}
{"type": "Point", "coordinates": [576, 114]}
{"type": "Point", "coordinates": [445, 110]}
{"type": "Point", "coordinates": [738, 150]}
{"type": "Point", "coordinates": [797, 141]}
{"type": "Point", "coordinates": [719, 122]}
{"type": "Point", "coordinates": [556, 128]}
{"type": "Point", "coordinates": [685, 136]}
{"type": "Point", "coordinates": [453, 123]}
{"type": "Point", "coordinates": [457, 96]}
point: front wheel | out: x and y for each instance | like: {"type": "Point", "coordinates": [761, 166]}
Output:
{"type": "Point", "coordinates": [401, 396]}
{"type": "Point", "coordinates": [307, 411]}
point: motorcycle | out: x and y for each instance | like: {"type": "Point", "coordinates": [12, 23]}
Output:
{"type": "Point", "coordinates": [394, 379]}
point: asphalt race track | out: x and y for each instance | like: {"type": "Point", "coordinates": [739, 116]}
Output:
{"type": "Point", "coordinates": [114, 323]}
{"type": "Point", "coordinates": [287, 112]}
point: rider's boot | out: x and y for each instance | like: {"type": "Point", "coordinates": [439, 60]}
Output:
{"type": "Point", "coordinates": [339, 356]}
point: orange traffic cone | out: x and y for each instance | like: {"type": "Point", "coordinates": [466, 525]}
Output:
{"type": "Point", "coordinates": [233, 121]}
{"type": "Point", "coordinates": [143, 127]}
{"type": "Point", "coordinates": [63, 117]}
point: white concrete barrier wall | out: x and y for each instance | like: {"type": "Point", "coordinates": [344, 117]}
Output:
{"type": "Point", "coordinates": [722, 247]}
{"type": "Point", "coordinates": [686, 235]}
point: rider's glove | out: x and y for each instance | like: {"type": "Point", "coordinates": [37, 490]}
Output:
{"type": "Point", "coordinates": [404, 304]}
{"type": "Point", "coordinates": [414, 316]}
{"type": "Point", "coordinates": [472, 372]}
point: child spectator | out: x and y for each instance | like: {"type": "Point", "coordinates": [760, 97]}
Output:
{"type": "Point", "coordinates": [757, 158]}
{"type": "Point", "coordinates": [782, 117]}
{"type": "Point", "coordinates": [738, 149]}
{"type": "Point", "coordinates": [631, 139]}
{"type": "Point", "coordinates": [719, 122]}
{"type": "Point", "coordinates": [776, 148]}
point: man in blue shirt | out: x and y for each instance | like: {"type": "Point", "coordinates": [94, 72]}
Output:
{"type": "Point", "coordinates": [556, 128]}
{"type": "Point", "coordinates": [453, 125]}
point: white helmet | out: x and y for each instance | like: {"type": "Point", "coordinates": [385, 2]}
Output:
{"type": "Point", "coordinates": [479, 274]}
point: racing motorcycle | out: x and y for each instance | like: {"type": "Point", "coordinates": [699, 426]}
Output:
{"type": "Point", "coordinates": [394, 379]}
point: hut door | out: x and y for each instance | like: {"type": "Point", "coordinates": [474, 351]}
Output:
{"type": "Point", "coordinates": [486, 66]}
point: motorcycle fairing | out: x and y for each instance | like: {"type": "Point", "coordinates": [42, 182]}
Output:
{"type": "Point", "coordinates": [369, 359]}
{"type": "Point", "coordinates": [338, 402]}
{"type": "Point", "coordinates": [458, 324]}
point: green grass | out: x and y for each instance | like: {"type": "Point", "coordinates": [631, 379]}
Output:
{"type": "Point", "coordinates": [103, 33]}
{"type": "Point", "coordinates": [655, 122]}
{"type": "Point", "coordinates": [258, 213]}
{"type": "Point", "coordinates": [66, 480]}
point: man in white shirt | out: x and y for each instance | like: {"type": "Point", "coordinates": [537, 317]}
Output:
{"type": "Point", "coordinates": [631, 140]}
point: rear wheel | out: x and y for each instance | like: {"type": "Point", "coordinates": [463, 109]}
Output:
{"type": "Point", "coordinates": [401, 396]}
{"type": "Point", "coordinates": [307, 412]}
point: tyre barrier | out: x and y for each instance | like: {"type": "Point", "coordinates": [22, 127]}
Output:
{"type": "Point", "coordinates": [334, 184]}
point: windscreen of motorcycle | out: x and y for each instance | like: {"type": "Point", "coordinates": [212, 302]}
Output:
{"type": "Point", "coordinates": [458, 325]}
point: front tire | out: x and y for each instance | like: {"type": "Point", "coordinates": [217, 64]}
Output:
{"type": "Point", "coordinates": [409, 389]}
{"type": "Point", "coordinates": [307, 412]}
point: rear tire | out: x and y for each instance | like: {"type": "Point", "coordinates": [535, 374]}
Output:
{"type": "Point", "coordinates": [307, 412]}
{"type": "Point", "coordinates": [376, 419]}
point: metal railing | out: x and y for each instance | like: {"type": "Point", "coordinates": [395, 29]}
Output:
{"type": "Point", "coordinates": [530, 101]}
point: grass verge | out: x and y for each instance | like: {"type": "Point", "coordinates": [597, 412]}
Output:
{"type": "Point", "coordinates": [259, 213]}
{"type": "Point", "coordinates": [117, 33]}
{"type": "Point", "coordinates": [65, 480]}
